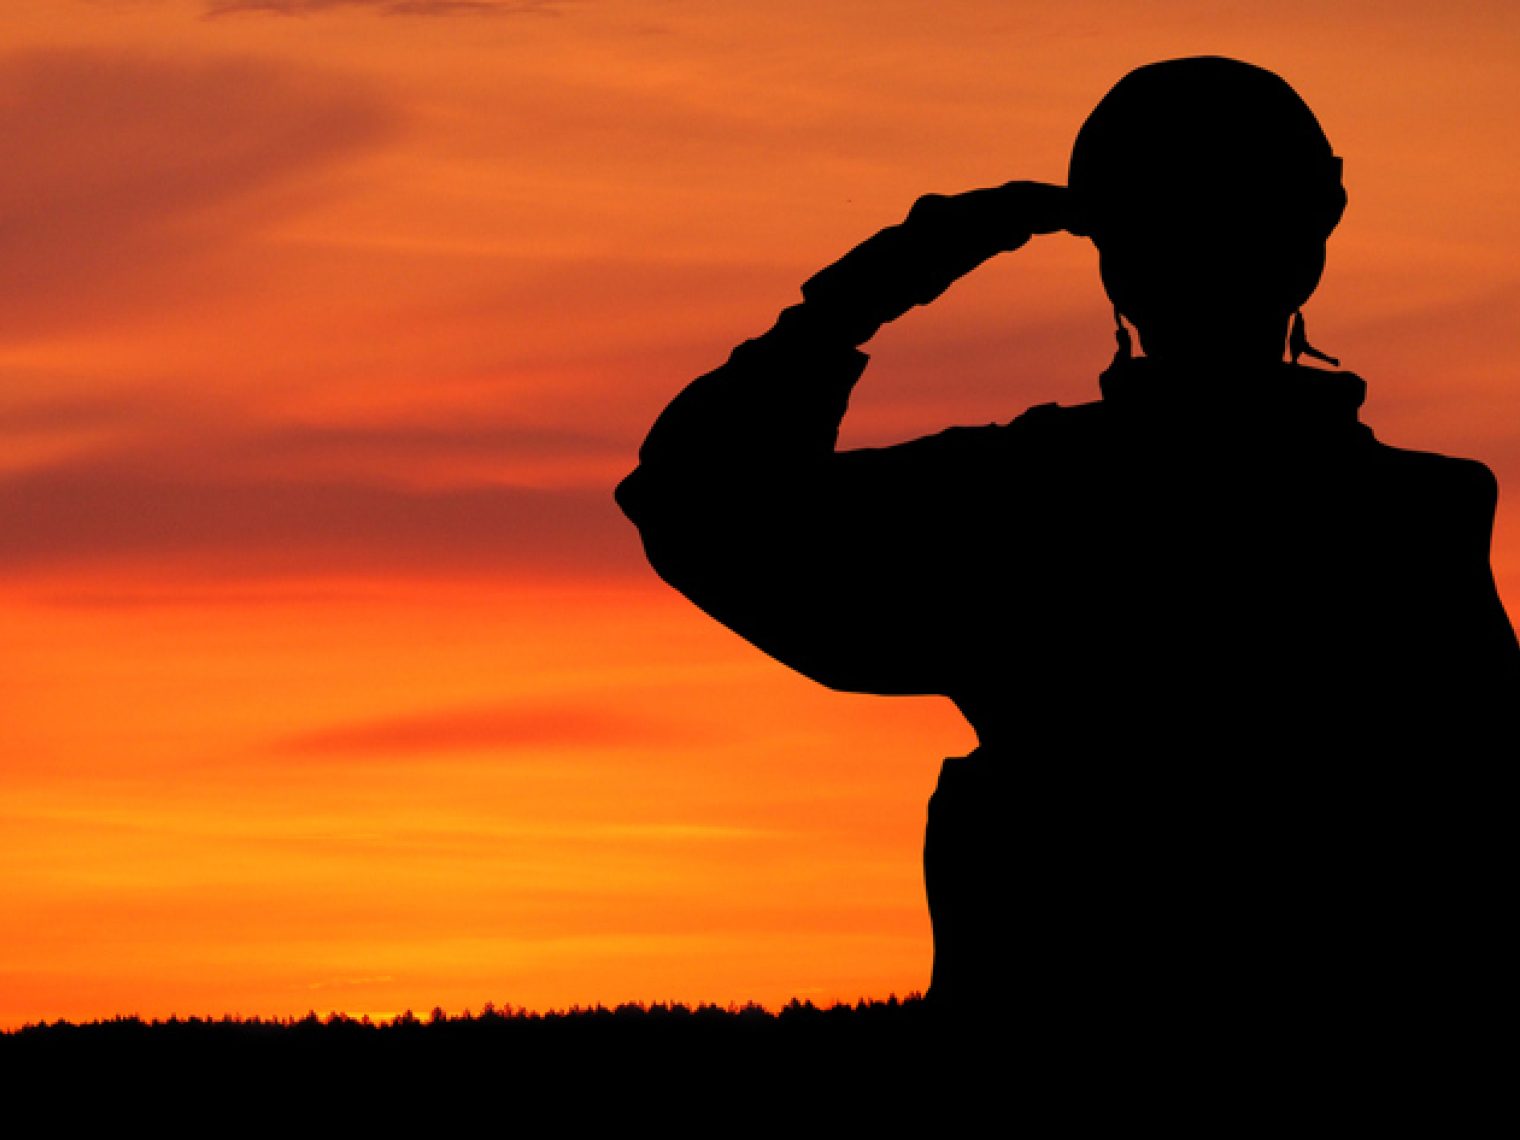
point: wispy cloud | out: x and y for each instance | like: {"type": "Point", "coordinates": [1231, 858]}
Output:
{"type": "Point", "coordinates": [350, 983]}
{"type": "Point", "coordinates": [391, 7]}
{"type": "Point", "coordinates": [125, 173]}
{"type": "Point", "coordinates": [492, 728]}
{"type": "Point", "coordinates": [329, 446]}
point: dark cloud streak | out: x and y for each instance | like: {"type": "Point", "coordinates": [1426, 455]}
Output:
{"type": "Point", "coordinates": [401, 442]}
{"type": "Point", "coordinates": [389, 7]}
{"type": "Point", "coordinates": [503, 727]}
{"type": "Point", "coordinates": [106, 516]}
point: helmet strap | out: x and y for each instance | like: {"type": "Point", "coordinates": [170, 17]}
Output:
{"type": "Point", "coordinates": [1298, 343]}
{"type": "Point", "coordinates": [1125, 352]}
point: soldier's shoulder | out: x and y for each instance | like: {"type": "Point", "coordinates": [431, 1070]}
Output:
{"type": "Point", "coordinates": [1039, 421]}
{"type": "Point", "coordinates": [1055, 417]}
{"type": "Point", "coordinates": [1057, 427]}
{"type": "Point", "coordinates": [1432, 471]}
{"type": "Point", "coordinates": [1434, 464]}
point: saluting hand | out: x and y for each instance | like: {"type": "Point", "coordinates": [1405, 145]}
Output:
{"type": "Point", "coordinates": [943, 238]}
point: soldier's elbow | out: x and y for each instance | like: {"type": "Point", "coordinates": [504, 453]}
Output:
{"type": "Point", "coordinates": [630, 494]}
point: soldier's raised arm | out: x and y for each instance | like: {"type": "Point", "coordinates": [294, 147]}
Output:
{"type": "Point", "coordinates": [827, 560]}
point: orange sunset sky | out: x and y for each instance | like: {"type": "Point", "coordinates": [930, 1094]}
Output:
{"type": "Point", "coordinates": [333, 679]}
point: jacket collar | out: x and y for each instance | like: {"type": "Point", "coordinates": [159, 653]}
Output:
{"type": "Point", "coordinates": [1276, 395]}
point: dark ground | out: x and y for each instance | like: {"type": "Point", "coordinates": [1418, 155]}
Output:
{"type": "Point", "coordinates": [889, 1068]}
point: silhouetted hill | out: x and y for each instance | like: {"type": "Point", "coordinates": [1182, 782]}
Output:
{"type": "Point", "coordinates": [891, 1068]}
{"type": "Point", "coordinates": [621, 1032]}
{"type": "Point", "coordinates": [676, 1062]}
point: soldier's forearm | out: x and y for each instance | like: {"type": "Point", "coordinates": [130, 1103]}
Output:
{"type": "Point", "coordinates": [780, 395]}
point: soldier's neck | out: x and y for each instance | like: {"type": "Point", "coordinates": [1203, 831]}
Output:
{"type": "Point", "coordinates": [1196, 350]}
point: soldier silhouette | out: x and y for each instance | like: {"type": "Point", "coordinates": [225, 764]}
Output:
{"type": "Point", "coordinates": [1243, 687]}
